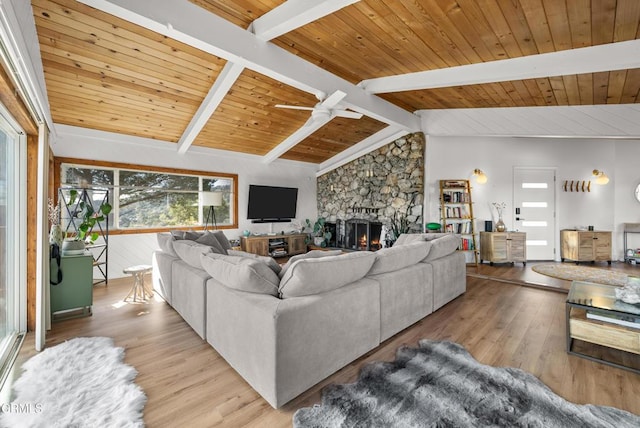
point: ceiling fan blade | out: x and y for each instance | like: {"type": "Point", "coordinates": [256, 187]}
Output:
{"type": "Point", "coordinates": [294, 107]}
{"type": "Point", "coordinates": [333, 99]}
{"type": "Point", "coordinates": [347, 114]}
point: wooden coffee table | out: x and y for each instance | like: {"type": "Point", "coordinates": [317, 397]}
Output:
{"type": "Point", "coordinates": [601, 299]}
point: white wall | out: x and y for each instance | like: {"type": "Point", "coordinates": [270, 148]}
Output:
{"type": "Point", "coordinates": [127, 250]}
{"type": "Point", "coordinates": [605, 207]}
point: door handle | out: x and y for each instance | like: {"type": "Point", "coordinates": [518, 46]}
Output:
{"type": "Point", "coordinates": [519, 218]}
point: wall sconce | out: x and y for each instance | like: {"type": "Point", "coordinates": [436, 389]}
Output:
{"type": "Point", "coordinates": [601, 177]}
{"type": "Point", "coordinates": [481, 177]}
{"type": "Point", "coordinates": [368, 172]}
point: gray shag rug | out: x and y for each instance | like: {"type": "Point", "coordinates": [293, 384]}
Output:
{"type": "Point", "coordinates": [440, 384]}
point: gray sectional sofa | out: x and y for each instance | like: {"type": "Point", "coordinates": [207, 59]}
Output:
{"type": "Point", "coordinates": [285, 329]}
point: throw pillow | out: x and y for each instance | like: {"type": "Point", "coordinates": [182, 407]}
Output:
{"type": "Point", "coordinates": [210, 239]}
{"type": "Point", "coordinates": [399, 256]}
{"type": "Point", "coordinates": [191, 235]}
{"type": "Point", "coordinates": [165, 242]}
{"type": "Point", "coordinates": [314, 276]}
{"type": "Point", "coordinates": [189, 252]}
{"type": "Point", "coordinates": [241, 273]}
{"type": "Point", "coordinates": [222, 239]}
{"type": "Point", "coordinates": [275, 267]}
{"type": "Point", "coordinates": [313, 254]}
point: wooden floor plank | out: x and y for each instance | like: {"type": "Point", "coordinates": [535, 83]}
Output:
{"type": "Point", "coordinates": [499, 321]}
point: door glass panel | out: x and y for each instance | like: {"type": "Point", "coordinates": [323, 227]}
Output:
{"type": "Point", "coordinates": [4, 251]}
{"type": "Point", "coordinates": [11, 276]}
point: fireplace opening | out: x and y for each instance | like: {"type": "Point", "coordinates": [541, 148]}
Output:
{"type": "Point", "coordinates": [363, 235]}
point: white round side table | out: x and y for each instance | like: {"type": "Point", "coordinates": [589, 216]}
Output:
{"type": "Point", "coordinates": [139, 291]}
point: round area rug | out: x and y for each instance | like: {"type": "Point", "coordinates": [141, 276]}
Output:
{"type": "Point", "coordinates": [572, 272]}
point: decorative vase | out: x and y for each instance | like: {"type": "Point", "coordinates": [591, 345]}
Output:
{"type": "Point", "coordinates": [500, 226]}
{"type": "Point", "coordinates": [318, 240]}
{"type": "Point", "coordinates": [72, 247]}
{"type": "Point", "coordinates": [55, 235]}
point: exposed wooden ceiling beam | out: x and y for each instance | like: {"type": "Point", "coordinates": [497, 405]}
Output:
{"type": "Point", "coordinates": [227, 77]}
{"type": "Point", "coordinates": [185, 22]}
{"type": "Point", "coordinates": [286, 17]}
{"type": "Point", "coordinates": [613, 56]}
{"type": "Point", "coordinates": [311, 126]}
{"type": "Point", "coordinates": [369, 144]}
{"type": "Point", "coordinates": [293, 14]}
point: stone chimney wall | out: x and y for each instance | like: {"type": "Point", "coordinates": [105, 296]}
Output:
{"type": "Point", "coordinates": [377, 185]}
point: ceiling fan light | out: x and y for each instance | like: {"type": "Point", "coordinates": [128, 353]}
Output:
{"type": "Point", "coordinates": [320, 114]}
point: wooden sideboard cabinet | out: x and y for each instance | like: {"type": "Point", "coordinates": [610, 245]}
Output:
{"type": "Point", "coordinates": [503, 247]}
{"type": "Point", "coordinates": [275, 245]}
{"type": "Point", "coordinates": [585, 245]}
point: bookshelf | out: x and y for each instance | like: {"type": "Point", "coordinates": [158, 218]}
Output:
{"type": "Point", "coordinates": [456, 210]}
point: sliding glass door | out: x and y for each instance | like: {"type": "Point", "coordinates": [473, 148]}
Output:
{"type": "Point", "coordinates": [12, 239]}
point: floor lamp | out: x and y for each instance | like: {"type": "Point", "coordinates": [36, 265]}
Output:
{"type": "Point", "coordinates": [211, 200]}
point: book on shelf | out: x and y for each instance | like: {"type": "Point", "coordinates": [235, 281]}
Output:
{"type": "Point", "coordinates": [456, 197]}
{"type": "Point", "coordinates": [457, 212]}
{"type": "Point", "coordinates": [624, 320]}
{"type": "Point", "coordinates": [460, 228]}
{"type": "Point", "coordinates": [466, 244]}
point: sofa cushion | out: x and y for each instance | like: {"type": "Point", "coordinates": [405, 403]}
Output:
{"type": "Point", "coordinates": [407, 238]}
{"type": "Point", "coordinates": [190, 251]}
{"type": "Point", "coordinates": [241, 273]}
{"type": "Point", "coordinates": [399, 256]}
{"type": "Point", "coordinates": [275, 267]}
{"type": "Point", "coordinates": [222, 239]}
{"type": "Point", "coordinates": [211, 240]}
{"type": "Point", "coordinates": [165, 242]}
{"type": "Point", "coordinates": [313, 254]}
{"type": "Point", "coordinates": [319, 275]}
{"type": "Point", "coordinates": [443, 246]}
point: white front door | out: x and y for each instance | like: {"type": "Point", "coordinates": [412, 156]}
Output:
{"type": "Point", "coordinates": [534, 210]}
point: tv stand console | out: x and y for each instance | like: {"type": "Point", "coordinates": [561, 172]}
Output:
{"type": "Point", "coordinates": [275, 245]}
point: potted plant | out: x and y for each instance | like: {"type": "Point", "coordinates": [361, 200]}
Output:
{"type": "Point", "coordinates": [83, 210]}
{"type": "Point", "coordinates": [319, 232]}
{"type": "Point", "coordinates": [400, 223]}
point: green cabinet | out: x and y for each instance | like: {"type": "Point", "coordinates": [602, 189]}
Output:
{"type": "Point", "coordinates": [76, 289]}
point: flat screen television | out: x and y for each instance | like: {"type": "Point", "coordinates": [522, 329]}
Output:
{"type": "Point", "coordinates": [270, 204]}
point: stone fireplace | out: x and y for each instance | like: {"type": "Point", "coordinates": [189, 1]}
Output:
{"type": "Point", "coordinates": [373, 190]}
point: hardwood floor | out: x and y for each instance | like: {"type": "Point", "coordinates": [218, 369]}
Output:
{"type": "Point", "coordinates": [501, 323]}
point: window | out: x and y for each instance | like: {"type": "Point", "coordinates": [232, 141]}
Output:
{"type": "Point", "coordinates": [150, 199]}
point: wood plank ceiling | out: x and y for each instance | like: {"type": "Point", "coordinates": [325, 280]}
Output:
{"type": "Point", "coordinates": [105, 73]}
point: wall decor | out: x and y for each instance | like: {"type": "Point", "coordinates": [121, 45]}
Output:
{"type": "Point", "coordinates": [576, 186]}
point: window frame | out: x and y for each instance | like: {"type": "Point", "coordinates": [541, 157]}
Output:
{"type": "Point", "coordinates": [58, 161]}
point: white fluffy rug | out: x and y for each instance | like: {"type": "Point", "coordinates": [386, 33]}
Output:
{"type": "Point", "coordinates": [79, 383]}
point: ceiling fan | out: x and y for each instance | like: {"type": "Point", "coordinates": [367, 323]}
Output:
{"type": "Point", "coordinates": [326, 109]}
